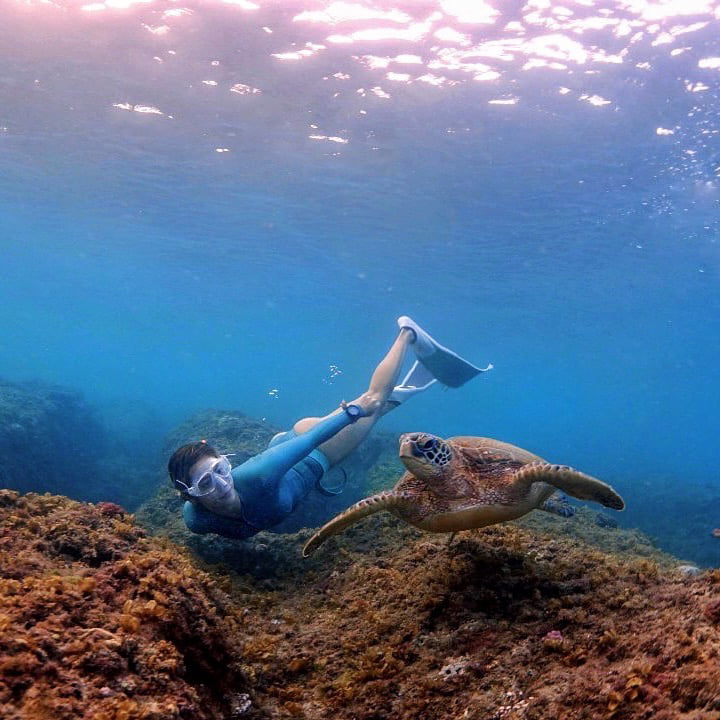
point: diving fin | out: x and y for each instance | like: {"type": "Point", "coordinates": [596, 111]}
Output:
{"type": "Point", "coordinates": [444, 365]}
{"type": "Point", "coordinates": [418, 379]}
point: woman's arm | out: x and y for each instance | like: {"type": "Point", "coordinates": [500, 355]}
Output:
{"type": "Point", "coordinates": [277, 460]}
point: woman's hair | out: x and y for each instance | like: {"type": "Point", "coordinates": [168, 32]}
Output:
{"type": "Point", "coordinates": [183, 459]}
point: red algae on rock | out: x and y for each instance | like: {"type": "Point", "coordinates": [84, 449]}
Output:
{"type": "Point", "coordinates": [504, 623]}
{"type": "Point", "coordinates": [530, 622]}
{"type": "Point", "coordinates": [98, 621]}
{"type": "Point", "coordinates": [110, 508]}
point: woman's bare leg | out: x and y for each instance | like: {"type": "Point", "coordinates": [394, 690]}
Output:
{"type": "Point", "coordinates": [372, 401]}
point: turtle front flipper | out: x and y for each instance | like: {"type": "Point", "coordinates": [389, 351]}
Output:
{"type": "Point", "coordinates": [368, 506]}
{"type": "Point", "coordinates": [573, 482]}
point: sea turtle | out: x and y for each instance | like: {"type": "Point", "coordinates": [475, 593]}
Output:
{"type": "Point", "coordinates": [469, 482]}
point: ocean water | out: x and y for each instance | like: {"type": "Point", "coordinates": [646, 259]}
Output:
{"type": "Point", "coordinates": [227, 204]}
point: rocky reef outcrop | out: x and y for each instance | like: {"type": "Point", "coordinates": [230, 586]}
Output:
{"type": "Point", "coordinates": [681, 514]}
{"type": "Point", "coordinates": [51, 440]}
{"type": "Point", "coordinates": [233, 432]}
{"type": "Point", "coordinates": [543, 619]}
{"type": "Point", "coordinates": [97, 621]}
{"type": "Point", "coordinates": [533, 621]}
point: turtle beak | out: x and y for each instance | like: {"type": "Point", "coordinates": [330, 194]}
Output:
{"type": "Point", "coordinates": [407, 445]}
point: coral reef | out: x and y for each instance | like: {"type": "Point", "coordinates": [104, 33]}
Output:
{"type": "Point", "coordinates": [98, 621]}
{"type": "Point", "coordinates": [504, 623]}
{"type": "Point", "coordinates": [531, 620]}
{"type": "Point", "coordinates": [50, 440]}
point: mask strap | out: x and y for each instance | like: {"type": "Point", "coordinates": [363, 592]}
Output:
{"type": "Point", "coordinates": [187, 487]}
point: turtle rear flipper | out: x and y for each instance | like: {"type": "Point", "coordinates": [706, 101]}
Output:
{"type": "Point", "coordinates": [557, 504]}
{"type": "Point", "coordinates": [571, 481]}
{"type": "Point", "coordinates": [363, 508]}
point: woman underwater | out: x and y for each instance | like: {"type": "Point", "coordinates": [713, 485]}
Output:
{"type": "Point", "coordinates": [261, 492]}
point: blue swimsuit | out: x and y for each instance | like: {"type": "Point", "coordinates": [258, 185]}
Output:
{"type": "Point", "coordinates": [272, 483]}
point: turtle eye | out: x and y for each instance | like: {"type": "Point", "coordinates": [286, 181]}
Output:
{"type": "Point", "coordinates": [429, 444]}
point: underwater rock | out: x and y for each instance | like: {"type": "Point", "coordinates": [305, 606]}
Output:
{"type": "Point", "coordinates": [686, 529]}
{"type": "Point", "coordinates": [689, 570]}
{"type": "Point", "coordinates": [50, 440]}
{"type": "Point", "coordinates": [507, 622]}
{"type": "Point", "coordinates": [111, 509]}
{"type": "Point", "coordinates": [228, 431]}
{"type": "Point", "coordinates": [231, 431]}
{"type": "Point", "coordinates": [530, 620]}
{"type": "Point", "coordinates": [98, 621]}
{"type": "Point", "coordinates": [605, 521]}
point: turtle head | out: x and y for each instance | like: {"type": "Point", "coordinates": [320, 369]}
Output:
{"type": "Point", "coordinates": [426, 456]}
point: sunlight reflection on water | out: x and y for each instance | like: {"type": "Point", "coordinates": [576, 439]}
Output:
{"type": "Point", "coordinates": [460, 39]}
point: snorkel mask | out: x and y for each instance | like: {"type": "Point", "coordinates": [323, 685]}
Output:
{"type": "Point", "coordinates": [213, 477]}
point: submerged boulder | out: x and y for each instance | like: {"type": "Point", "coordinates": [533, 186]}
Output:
{"type": "Point", "coordinates": [534, 620]}
{"type": "Point", "coordinates": [50, 440]}
{"type": "Point", "coordinates": [99, 621]}
{"type": "Point", "coordinates": [53, 440]}
{"type": "Point", "coordinates": [233, 432]}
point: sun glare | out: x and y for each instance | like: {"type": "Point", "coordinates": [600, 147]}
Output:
{"type": "Point", "coordinates": [441, 43]}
